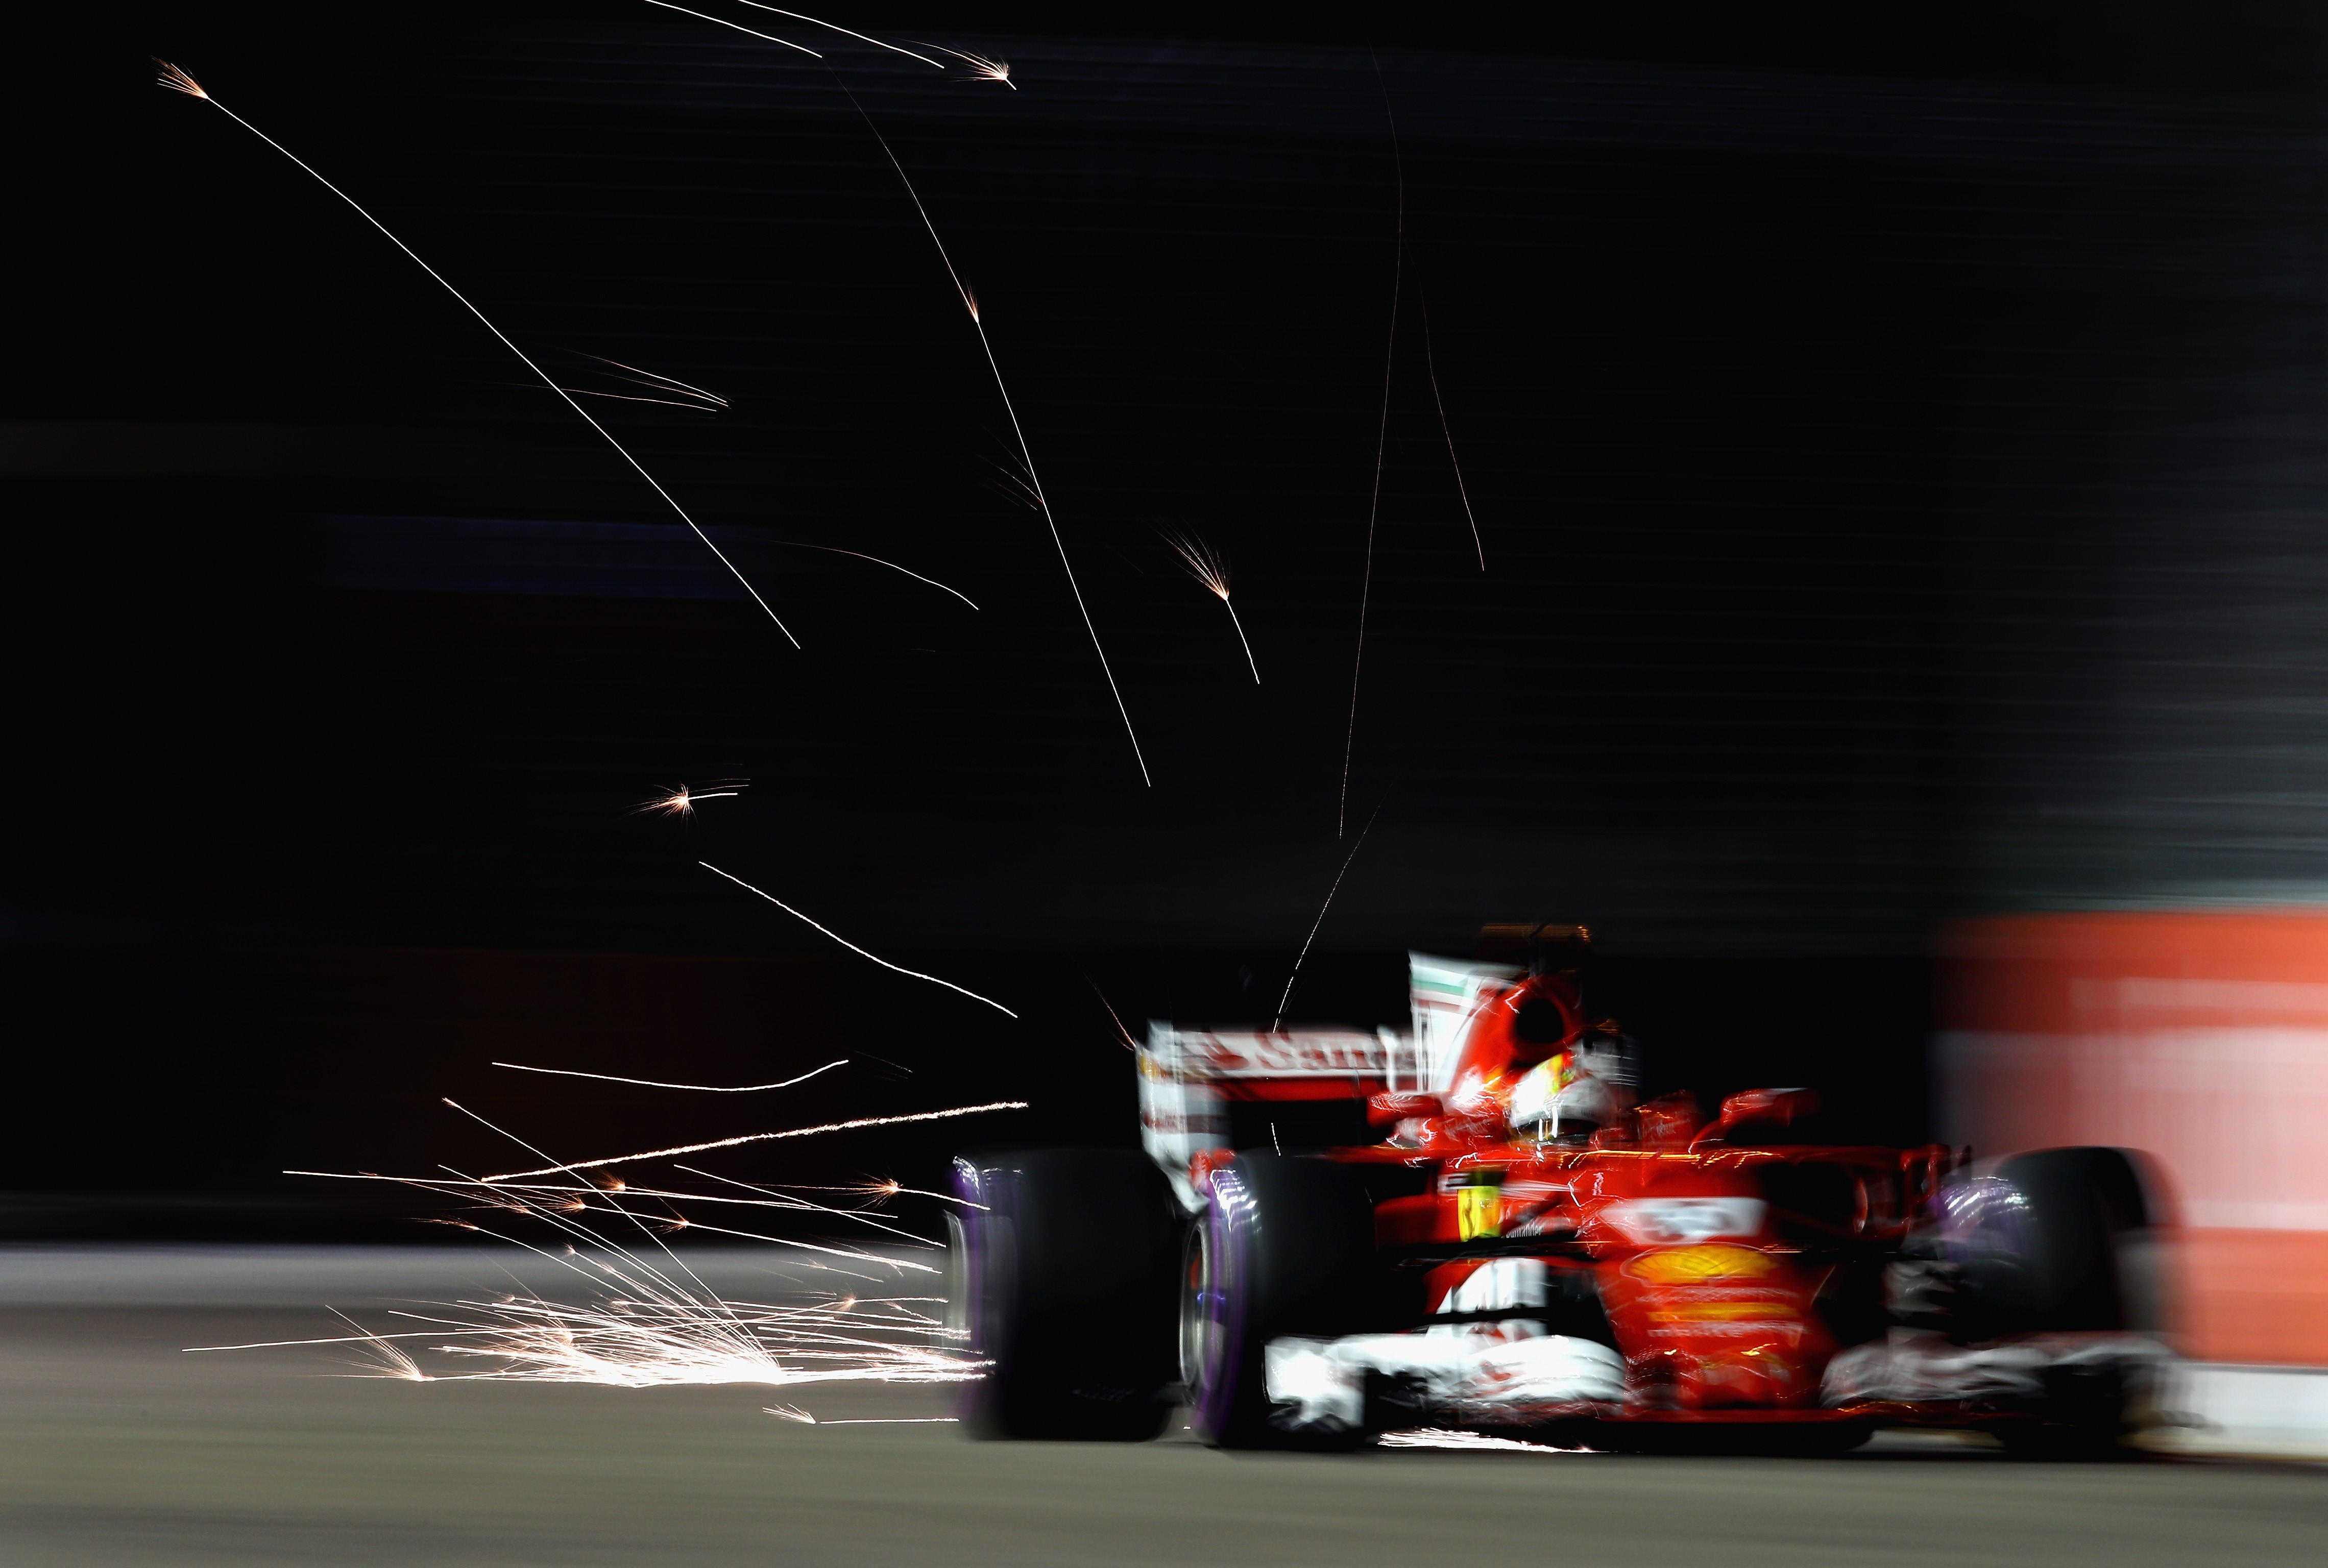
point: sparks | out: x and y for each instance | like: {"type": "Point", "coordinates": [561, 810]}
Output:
{"type": "Point", "coordinates": [680, 801]}
{"type": "Point", "coordinates": [860, 37]}
{"type": "Point", "coordinates": [699, 1088]}
{"type": "Point", "coordinates": [655, 379]}
{"type": "Point", "coordinates": [652, 1323]}
{"type": "Point", "coordinates": [766, 37]}
{"type": "Point", "coordinates": [178, 81]}
{"type": "Point", "coordinates": [1382, 447]}
{"type": "Point", "coordinates": [1026, 456]}
{"type": "Point", "coordinates": [1208, 568]}
{"type": "Point", "coordinates": [1122, 1033]}
{"type": "Point", "coordinates": [980, 68]}
{"type": "Point", "coordinates": [888, 1190]}
{"type": "Point", "coordinates": [1431, 368]}
{"type": "Point", "coordinates": [852, 947]}
{"type": "Point", "coordinates": [1320, 921]}
{"type": "Point", "coordinates": [764, 1138]}
{"type": "Point", "coordinates": [679, 394]}
{"type": "Point", "coordinates": [876, 560]}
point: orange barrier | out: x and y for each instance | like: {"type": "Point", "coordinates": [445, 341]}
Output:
{"type": "Point", "coordinates": [2200, 1037]}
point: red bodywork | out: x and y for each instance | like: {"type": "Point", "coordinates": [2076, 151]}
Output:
{"type": "Point", "coordinates": [1721, 1319]}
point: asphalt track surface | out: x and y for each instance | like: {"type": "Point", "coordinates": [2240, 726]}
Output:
{"type": "Point", "coordinates": [118, 1448]}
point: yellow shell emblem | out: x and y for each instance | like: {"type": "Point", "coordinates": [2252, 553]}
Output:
{"type": "Point", "coordinates": [1703, 1265]}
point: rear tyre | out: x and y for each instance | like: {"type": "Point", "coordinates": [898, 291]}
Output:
{"type": "Point", "coordinates": [1064, 1284]}
{"type": "Point", "coordinates": [1284, 1247]}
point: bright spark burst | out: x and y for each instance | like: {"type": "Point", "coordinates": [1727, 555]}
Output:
{"type": "Point", "coordinates": [699, 1088]}
{"type": "Point", "coordinates": [653, 1321]}
{"type": "Point", "coordinates": [852, 947]}
{"type": "Point", "coordinates": [980, 68]}
{"type": "Point", "coordinates": [680, 801]}
{"type": "Point", "coordinates": [644, 1331]}
{"type": "Point", "coordinates": [757, 1137]}
{"type": "Point", "coordinates": [177, 80]}
{"type": "Point", "coordinates": [1210, 570]}
{"type": "Point", "coordinates": [885, 1190]}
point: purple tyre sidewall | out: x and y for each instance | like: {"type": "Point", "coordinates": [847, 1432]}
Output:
{"type": "Point", "coordinates": [1228, 1222]}
{"type": "Point", "coordinates": [973, 1397]}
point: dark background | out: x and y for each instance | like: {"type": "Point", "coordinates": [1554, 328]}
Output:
{"type": "Point", "coordinates": [1895, 447]}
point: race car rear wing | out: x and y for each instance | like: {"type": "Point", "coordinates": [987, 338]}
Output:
{"type": "Point", "coordinates": [1207, 1092]}
{"type": "Point", "coordinates": [1441, 995]}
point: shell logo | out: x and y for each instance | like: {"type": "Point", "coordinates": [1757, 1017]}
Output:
{"type": "Point", "coordinates": [1703, 1265]}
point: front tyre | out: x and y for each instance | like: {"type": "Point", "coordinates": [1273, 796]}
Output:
{"type": "Point", "coordinates": [2066, 1256]}
{"type": "Point", "coordinates": [1284, 1247]}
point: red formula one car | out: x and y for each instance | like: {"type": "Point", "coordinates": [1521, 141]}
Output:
{"type": "Point", "coordinates": [1528, 1248]}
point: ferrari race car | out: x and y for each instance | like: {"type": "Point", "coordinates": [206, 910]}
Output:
{"type": "Point", "coordinates": [1481, 1224]}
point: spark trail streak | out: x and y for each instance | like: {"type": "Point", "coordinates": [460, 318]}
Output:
{"type": "Point", "coordinates": [1212, 571]}
{"type": "Point", "coordinates": [1122, 1033]}
{"type": "Point", "coordinates": [852, 947]}
{"type": "Point", "coordinates": [661, 382]}
{"type": "Point", "coordinates": [699, 1088]}
{"type": "Point", "coordinates": [876, 560]}
{"type": "Point", "coordinates": [1382, 446]}
{"type": "Point", "coordinates": [764, 1138]}
{"type": "Point", "coordinates": [627, 398]}
{"type": "Point", "coordinates": [567, 1200]}
{"type": "Point", "coordinates": [1026, 456]}
{"type": "Point", "coordinates": [770, 37]}
{"type": "Point", "coordinates": [861, 38]}
{"type": "Point", "coordinates": [177, 80]}
{"type": "Point", "coordinates": [646, 1328]}
{"type": "Point", "coordinates": [1460, 488]}
{"type": "Point", "coordinates": [1320, 921]}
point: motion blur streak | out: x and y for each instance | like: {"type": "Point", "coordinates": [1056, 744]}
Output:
{"type": "Point", "coordinates": [2200, 1036]}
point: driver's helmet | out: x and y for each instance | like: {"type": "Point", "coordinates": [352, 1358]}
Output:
{"type": "Point", "coordinates": [1575, 1090]}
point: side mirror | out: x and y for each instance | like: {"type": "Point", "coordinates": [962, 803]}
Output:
{"type": "Point", "coordinates": [1386, 1111]}
{"type": "Point", "coordinates": [1757, 1108]}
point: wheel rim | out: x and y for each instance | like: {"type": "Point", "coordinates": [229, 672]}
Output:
{"type": "Point", "coordinates": [1200, 1324]}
